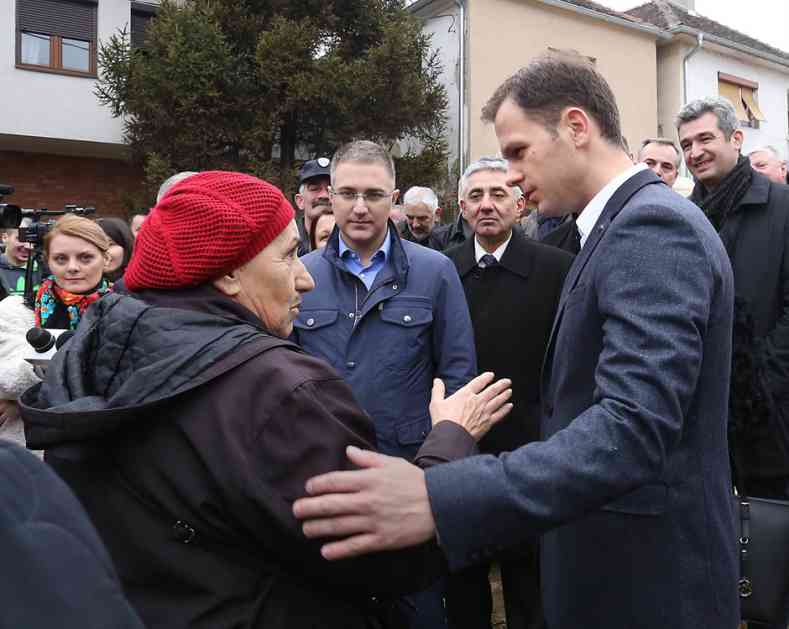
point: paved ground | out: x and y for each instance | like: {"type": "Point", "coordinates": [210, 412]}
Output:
{"type": "Point", "coordinates": [498, 599]}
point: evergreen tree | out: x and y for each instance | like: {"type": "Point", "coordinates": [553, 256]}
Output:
{"type": "Point", "coordinates": [251, 85]}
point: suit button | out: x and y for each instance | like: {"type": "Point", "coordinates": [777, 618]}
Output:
{"type": "Point", "coordinates": [407, 318]}
{"type": "Point", "coordinates": [350, 364]}
{"type": "Point", "coordinates": [350, 315]}
{"type": "Point", "coordinates": [310, 322]}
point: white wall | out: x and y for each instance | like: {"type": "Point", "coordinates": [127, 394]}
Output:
{"type": "Point", "coordinates": [47, 105]}
{"type": "Point", "coordinates": [445, 31]}
{"type": "Point", "coordinates": [772, 94]}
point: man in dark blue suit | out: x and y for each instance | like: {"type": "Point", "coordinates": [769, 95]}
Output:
{"type": "Point", "coordinates": [630, 488]}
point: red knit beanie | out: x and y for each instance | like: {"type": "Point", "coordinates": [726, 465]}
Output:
{"type": "Point", "coordinates": [208, 225]}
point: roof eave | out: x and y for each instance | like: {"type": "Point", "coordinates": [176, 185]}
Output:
{"type": "Point", "coordinates": [728, 43]}
{"type": "Point", "coordinates": [643, 27]}
{"type": "Point", "coordinates": [419, 5]}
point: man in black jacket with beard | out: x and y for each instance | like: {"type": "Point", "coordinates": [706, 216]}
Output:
{"type": "Point", "coordinates": [512, 285]}
{"type": "Point", "coordinates": [751, 214]}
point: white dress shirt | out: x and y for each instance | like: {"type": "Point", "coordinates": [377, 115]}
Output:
{"type": "Point", "coordinates": [479, 251]}
{"type": "Point", "coordinates": [588, 217]}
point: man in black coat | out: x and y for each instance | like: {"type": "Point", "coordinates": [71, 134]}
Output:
{"type": "Point", "coordinates": [512, 284]}
{"type": "Point", "coordinates": [751, 214]}
{"type": "Point", "coordinates": [55, 570]}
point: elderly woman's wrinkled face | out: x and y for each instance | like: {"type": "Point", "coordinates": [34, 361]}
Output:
{"type": "Point", "coordinates": [272, 283]}
{"type": "Point", "coordinates": [76, 263]}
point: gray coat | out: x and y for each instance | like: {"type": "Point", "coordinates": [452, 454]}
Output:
{"type": "Point", "coordinates": [631, 487]}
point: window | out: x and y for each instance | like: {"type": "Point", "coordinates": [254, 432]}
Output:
{"type": "Point", "coordinates": [742, 94]}
{"type": "Point", "coordinates": [56, 36]}
{"type": "Point", "coordinates": [141, 15]}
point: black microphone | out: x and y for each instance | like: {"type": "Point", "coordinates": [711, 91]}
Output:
{"type": "Point", "coordinates": [42, 340]}
{"type": "Point", "coordinates": [61, 340]}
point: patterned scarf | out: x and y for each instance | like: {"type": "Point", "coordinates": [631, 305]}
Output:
{"type": "Point", "coordinates": [49, 294]}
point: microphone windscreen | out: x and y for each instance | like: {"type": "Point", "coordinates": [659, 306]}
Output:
{"type": "Point", "coordinates": [61, 340]}
{"type": "Point", "coordinates": [42, 340]}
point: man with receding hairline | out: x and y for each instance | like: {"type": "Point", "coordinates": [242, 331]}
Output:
{"type": "Point", "coordinates": [767, 161]}
{"type": "Point", "coordinates": [630, 488]}
{"type": "Point", "coordinates": [662, 156]}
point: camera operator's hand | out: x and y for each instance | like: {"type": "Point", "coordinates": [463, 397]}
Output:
{"type": "Point", "coordinates": [476, 407]}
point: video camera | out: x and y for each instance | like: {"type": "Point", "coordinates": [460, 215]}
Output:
{"type": "Point", "coordinates": [11, 217]}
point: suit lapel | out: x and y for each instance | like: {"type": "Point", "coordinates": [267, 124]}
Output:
{"type": "Point", "coordinates": [609, 213]}
{"type": "Point", "coordinates": [466, 260]}
{"type": "Point", "coordinates": [518, 257]}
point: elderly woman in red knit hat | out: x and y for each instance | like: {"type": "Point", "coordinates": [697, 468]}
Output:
{"type": "Point", "coordinates": [188, 424]}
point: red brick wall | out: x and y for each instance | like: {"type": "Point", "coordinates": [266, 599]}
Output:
{"type": "Point", "coordinates": [51, 181]}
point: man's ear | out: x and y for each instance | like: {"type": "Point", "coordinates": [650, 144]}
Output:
{"type": "Point", "coordinates": [395, 196]}
{"type": "Point", "coordinates": [299, 198]}
{"type": "Point", "coordinates": [438, 212]}
{"type": "Point", "coordinates": [577, 122]}
{"type": "Point", "coordinates": [228, 284]}
{"type": "Point", "coordinates": [737, 138]}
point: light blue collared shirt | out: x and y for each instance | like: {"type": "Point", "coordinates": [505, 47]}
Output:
{"type": "Point", "coordinates": [354, 264]}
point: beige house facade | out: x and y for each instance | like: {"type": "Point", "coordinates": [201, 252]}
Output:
{"type": "Point", "coordinates": [501, 36]}
{"type": "Point", "coordinates": [705, 58]}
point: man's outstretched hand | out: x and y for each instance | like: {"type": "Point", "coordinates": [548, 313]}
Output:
{"type": "Point", "coordinates": [382, 506]}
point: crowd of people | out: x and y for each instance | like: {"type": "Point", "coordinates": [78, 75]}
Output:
{"type": "Point", "coordinates": [292, 419]}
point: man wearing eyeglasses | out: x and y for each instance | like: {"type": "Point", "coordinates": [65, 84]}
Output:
{"type": "Point", "coordinates": [388, 314]}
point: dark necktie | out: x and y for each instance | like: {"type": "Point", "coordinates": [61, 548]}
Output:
{"type": "Point", "coordinates": [487, 261]}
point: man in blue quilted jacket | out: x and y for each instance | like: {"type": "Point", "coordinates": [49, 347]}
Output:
{"type": "Point", "coordinates": [388, 314]}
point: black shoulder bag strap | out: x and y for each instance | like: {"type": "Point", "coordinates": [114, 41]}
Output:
{"type": "Point", "coordinates": [743, 513]}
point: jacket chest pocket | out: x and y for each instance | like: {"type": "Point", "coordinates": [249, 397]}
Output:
{"type": "Point", "coordinates": [316, 335]}
{"type": "Point", "coordinates": [406, 333]}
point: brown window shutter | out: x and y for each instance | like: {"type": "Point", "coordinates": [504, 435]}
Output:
{"type": "Point", "coordinates": [753, 106]}
{"type": "Point", "coordinates": [732, 93]}
{"type": "Point", "coordinates": [141, 15]}
{"type": "Point", "coordinates": [66, 18]}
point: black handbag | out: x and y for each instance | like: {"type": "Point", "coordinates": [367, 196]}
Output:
{"type": "Point", "coordinates": [763, 539]}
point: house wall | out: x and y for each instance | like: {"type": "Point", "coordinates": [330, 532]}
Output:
{"type": "Point", "coordinates": [505, 34]}
{"type": "Point", "coordinates": [703, 71]}
{"type": "Point", "coordinates": [51, 105]}
{"type": "Point", "coordinates": [50, 181]}
{"type": "Point", "coordinates": [442, 23]}
{"type": "Point", "coordinates": [670, 85]}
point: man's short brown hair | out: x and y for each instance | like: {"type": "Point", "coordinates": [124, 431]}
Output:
{"type": "Point", "coordinates": [554, 81]}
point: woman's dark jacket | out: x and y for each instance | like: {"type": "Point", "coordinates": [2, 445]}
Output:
{"type": "Point", "coordinates": [756, 235]}
{"type": "Point", "coordinates": [188, 432]}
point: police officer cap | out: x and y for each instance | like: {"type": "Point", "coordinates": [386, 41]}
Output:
{"type": "Point", "coordinates": [314, 168]}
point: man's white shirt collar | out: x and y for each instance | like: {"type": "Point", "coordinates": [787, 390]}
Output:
{"type": "Point", "coordinates": [479, 251]}
{"type": "Point", "coordinates": [588, 217]}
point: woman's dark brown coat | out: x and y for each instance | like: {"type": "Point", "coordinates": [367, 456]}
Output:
{"type": "Point", "coordinates": [187, 432]}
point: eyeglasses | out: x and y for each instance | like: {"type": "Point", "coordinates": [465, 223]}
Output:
{"type": "Point", "coordinates": [370, 197]}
